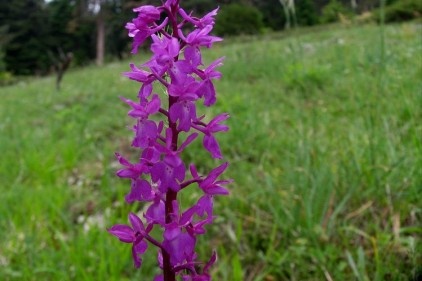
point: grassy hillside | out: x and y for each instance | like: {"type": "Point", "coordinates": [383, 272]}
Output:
{"type": "Point", "coordinates": [325, 149]}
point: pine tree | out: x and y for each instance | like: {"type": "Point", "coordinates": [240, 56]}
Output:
{"type": "Point", "coordinates": [26, 23]}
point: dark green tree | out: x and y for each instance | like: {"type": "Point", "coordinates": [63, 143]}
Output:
{"type": "Point", "coordinates": [117, 41]}
{"type": "Point", "coordinates": [199, 7]}
{"type": "Point", "coordinates": [272, 13]}
{"type": "Point", "coordinates": [60, 39]}
{"type": "Point", "coordinates": [27, 25]}
{"type": "Point", "coordinates": [237, 19]}
{"type": "Point", "coordinates": [332, 11]}
{"type": "Point", "coordinates": [306, 13]}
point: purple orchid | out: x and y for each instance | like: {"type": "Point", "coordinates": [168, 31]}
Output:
{"type": "Point", "coordinates": [156, 212]}
{"type": "Point", "coordinates": [166, 125]}
{"type": "Point", "coordinates": [143, 109]}
{"type": "Point", "coordinates": [208, 19]}
{"type": "Point", "coordinates": [212, 186]}
{"type": "Point", "coordinates": [209, 141]}
{"type": "Point", "coordinates": [134, 235]}
{"type": "Point", "coordinates": [139, 74]}
{"type": "Point", "coordinates": [141, 191]}
{"type": "Point", "coordinates": [132, 171]}
{"type": "Point", "coordinates": [201, 37]}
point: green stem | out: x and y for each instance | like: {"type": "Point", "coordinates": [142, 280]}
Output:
{"type": "Point", "coordinates": [169, 274]}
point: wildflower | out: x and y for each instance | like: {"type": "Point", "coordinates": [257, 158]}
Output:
{"type": "Point", "coordinates": [208, 19]}
{"type": "Point", "coordinates": [133, 235]}
{"type": "Point", "coordinates": [212, 186]}
{"type": "Point", "coordinates": [209, 141]}
{"type": "Point", "coordinates": [163, 130]}
{"type": "Point", "coordinates": [141, 191]}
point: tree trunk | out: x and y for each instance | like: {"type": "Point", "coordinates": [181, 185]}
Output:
{"type": "Point", "coordinates": [289, 12]}
{"type": "Point", "coordinates": [353, 4]}
{"type": "Point", "coordinates": [100, 37]}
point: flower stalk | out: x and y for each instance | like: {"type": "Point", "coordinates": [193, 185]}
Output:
{"type": "Point", "coordinates": [162, 134]}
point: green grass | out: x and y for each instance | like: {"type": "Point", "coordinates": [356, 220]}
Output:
{"type": "Point", "coordinates": [325, 149]}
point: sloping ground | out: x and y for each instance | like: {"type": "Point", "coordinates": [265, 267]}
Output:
{"type": "Point", "coordinates": [325, 148]}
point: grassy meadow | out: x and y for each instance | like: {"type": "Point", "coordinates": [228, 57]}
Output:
{"type": "Point", "coordinates": [325, 148]}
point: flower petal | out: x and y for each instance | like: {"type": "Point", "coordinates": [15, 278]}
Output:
{"type": "Point", "coordinates": [123, 232]}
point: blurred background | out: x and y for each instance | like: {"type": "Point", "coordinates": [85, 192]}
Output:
{"type": "Point", "coordinates": [324, 146]}
{"type": "Point", "coordinates": [36, 34]}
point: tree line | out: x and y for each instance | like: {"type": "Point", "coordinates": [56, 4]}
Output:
{"type": "Point", "coordinates": [38, 37]}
